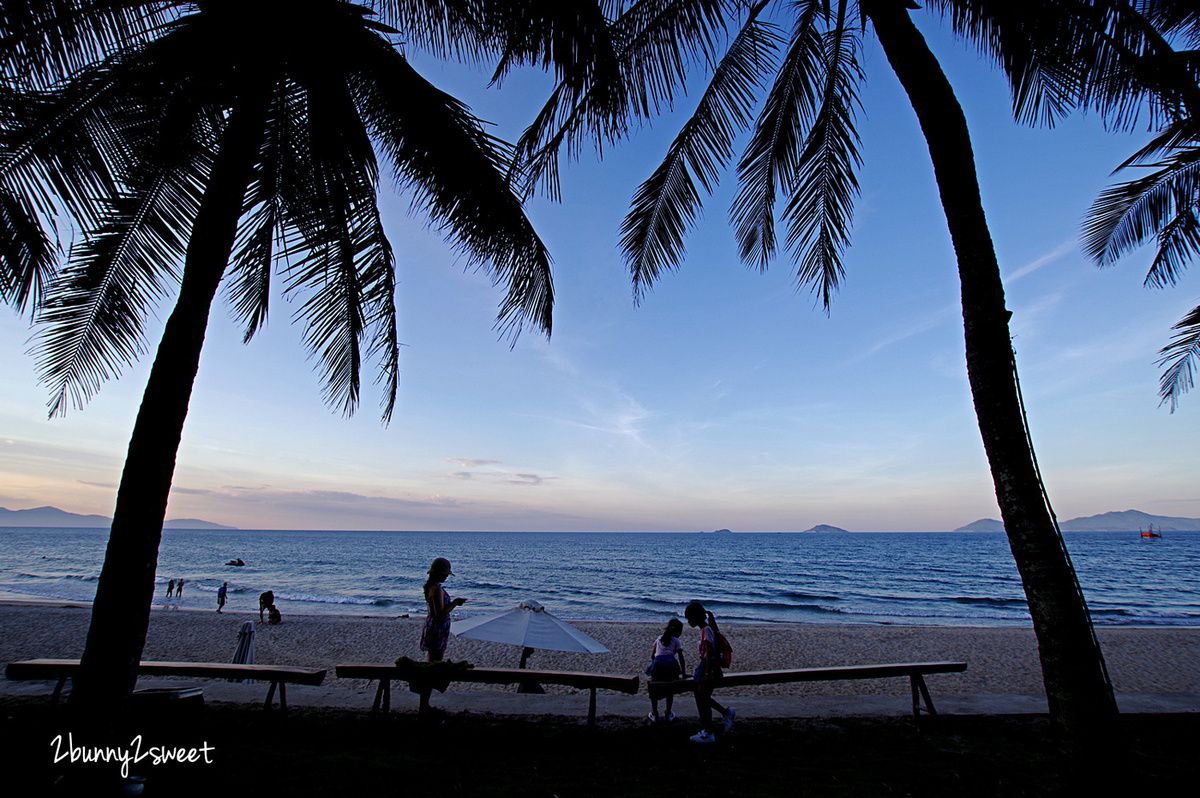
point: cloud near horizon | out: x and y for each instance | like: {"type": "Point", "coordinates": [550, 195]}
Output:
{"type": "Point", "coordinates": [468, 462]}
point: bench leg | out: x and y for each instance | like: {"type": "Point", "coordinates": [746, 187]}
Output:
{"type": "Point", "coordinates": [383, 695]}
{"type": "Point", "coordinates": [921, 692]}
{"type": "Point", "coordinates": [282, 696]}
{"type": "Point", "coordinates": [592, 709]}
{"type": "Point", "coordinates": [58, 688]}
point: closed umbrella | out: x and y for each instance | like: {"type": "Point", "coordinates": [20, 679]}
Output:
{"type": "Point", "coordinates": [243, 653]}
{"type": "Point", "coordinates": [528, 625]}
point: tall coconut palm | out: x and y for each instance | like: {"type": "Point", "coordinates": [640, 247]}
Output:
{"type": "Point", "coordinates": [217, 143]}
{"type": "Point", "coordinates": [803, 149]}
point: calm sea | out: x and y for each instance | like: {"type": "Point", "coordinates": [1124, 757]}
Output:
{"type": "Point", "coordinates": [900, 578]}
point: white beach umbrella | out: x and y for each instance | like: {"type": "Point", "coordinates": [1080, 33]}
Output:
{"type": "Point", "coordinates": [243, 653]}
{"type": "Point", "coordinates": [528, 625]}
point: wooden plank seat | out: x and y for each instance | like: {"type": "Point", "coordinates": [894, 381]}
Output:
{"type": "Point", "coordinates": [421, 681]}
{"type": "Point", "coordinates": [915, 671]}
{"type": "Point", "coordinates": [278, 675]}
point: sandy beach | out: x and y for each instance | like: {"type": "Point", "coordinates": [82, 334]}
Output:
{"type": "Point", "coordinates": [1001, 661]}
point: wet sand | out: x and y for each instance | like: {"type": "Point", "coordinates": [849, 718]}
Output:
{"type": "Point", "coordinates": [1001, 661]}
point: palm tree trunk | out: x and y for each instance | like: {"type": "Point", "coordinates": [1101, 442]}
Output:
{"type": "Point", "coordinates": [1080, 696]}
{"type": "Point", "coordinates": [121, 611]}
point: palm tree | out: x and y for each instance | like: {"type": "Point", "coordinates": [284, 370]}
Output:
{"type": "Point", "coordinates": [207, 143]}
{"type": "Point", "coordinates": [803, 145]}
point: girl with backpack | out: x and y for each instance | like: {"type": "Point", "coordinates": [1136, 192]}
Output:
{"type": "Point", "coordinates": [708, 672]}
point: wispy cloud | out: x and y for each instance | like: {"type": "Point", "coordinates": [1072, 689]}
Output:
{"type": "Point", "coordinates": [191, 491]}
{"type": "Point", "coordinates": [929, 321]}
{"type": "Point", "coordinates": [491, 475]}
{"type": "Point", "coordinates": [1059, 252]}
{"type": "Point", "coordinates": [525, 479]}
{"type": "Point", "coordinates": [623, 417]}
{"type": "Point", "coordinates": [468, 462]}
{"type": "Point", "coordinates": [926, 322]}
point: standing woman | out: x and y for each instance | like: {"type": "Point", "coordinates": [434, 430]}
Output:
{"type": "Point", "coordinates": [707, 673]}
{"type": "Point", "coordinates": [436, 632]}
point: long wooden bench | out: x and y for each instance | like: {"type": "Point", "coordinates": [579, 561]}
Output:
{"type": "Point", "coordinates": [386, 673]}
{"type": "Point", "coordinates": [915, 671]}
{"type": "Point", "coordinates": [278, 675]}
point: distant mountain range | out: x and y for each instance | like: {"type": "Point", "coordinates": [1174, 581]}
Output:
{"type": "Point", "coordinates": [1125, 521]}
{"type": "Point", "coordinates": [54, 517]}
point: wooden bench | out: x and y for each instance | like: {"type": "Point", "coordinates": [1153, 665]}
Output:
{"type": "Point", "coordinates": [915, 671]}
{"type": "Point", "coordinates": [385, 673]}
{"type": "Point", "coordinates": [278, 675]}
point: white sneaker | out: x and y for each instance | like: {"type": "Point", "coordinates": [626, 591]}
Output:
{"type": "Point", "coordinates": [653, 718]}
{"type": "Point", "coordinates": [704, 736]}
{"type": "Point", "coordinates": [729, 720]}
{"type": "Point", "coordinates": [670, 717]}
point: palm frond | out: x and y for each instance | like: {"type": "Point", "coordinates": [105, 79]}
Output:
{"type": "Point", "coordinates": [379, 317]}
{"type": "Point", "coordinates": [1178, 243]}
{"type": "Point", "coordinates": [27, 255]}
{"type": "Point", "coordinates": [821, 208]}
{"type": "Point", "coordinates": [1111, 56]}
{"type": "Point", "coordinates": [450, 28]}
{"type": "Point", "coordinates": [1014, 35]}
{"type": "Point", "coordinates": [60, 150]}
{"type": "Point", "coordinates": [666, 204]}
{"type": "Point", "coordinates": [657, 42]}
{"type": "Point", "coordinates": [44, 42]}
{"type": "Point", "coordinates": [573, 39]}
{"type": "Point", "coordinates": [1175, 17]}
{"type": "Point", "coordinates": [772, 157]}
{"type": "Point", "coordinates": [93, 314]}
{"type": "Point", "coordinates": [457, 173]}
{"type": "Point", "coordinates": [350, 314]}
{"type": "Point", "coordinates": [248, 280]}
{"type": "Point", "coordinates": [1180, 358]}
{"type": "Point", "coordinates": [1126, 215]}
{"type": "Point", "coordinates": [345, 264]}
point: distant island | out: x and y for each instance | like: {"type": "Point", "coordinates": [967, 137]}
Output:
{"type": "Point", "coordinates": [826, 528]}
{"type": "Point", "coordinates": [1124, 521]}
{"type": "Point", "coordinates": [44, 517]}
{"type": "Point", "coordinates": [721, 532]}
{"type": "Point", "coordinates": [983, 525]}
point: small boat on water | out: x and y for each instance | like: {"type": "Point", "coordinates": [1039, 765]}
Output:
{"type": "Point", "coordinates": [1151, 533]}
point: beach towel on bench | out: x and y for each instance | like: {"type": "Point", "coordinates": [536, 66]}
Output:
{"type": "Point", "coordinates": [437, 675]}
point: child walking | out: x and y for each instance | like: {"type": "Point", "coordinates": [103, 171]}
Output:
{"type": "Point", "coordinates": [667, 664]}
{"type": "Point", "coordinates": [708, 672]}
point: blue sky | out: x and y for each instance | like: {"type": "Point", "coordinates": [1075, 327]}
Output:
{"type": "Point", "coordinates": [726, 399]}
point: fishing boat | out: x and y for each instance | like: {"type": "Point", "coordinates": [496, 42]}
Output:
{"type": "Point", "coordinates": [1150, 533]}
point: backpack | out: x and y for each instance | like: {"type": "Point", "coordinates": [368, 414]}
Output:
{"type": "Point", "coordinates": [723, 649]}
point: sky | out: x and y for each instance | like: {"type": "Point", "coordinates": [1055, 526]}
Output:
{"type": "Point", "coordinates": [726, 399]}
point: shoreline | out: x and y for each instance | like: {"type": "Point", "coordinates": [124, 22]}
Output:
{"type": "Point", "coordinates": [8, 598]}
{"type": "Point", "coordinates": [1002, 661]}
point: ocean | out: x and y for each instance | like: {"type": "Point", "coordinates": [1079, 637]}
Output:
{"type": "Point", "coordinates": [943, 578]}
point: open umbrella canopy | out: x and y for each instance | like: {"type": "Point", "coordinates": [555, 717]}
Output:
{"type": "Point", "coordinates": [528, 625]}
